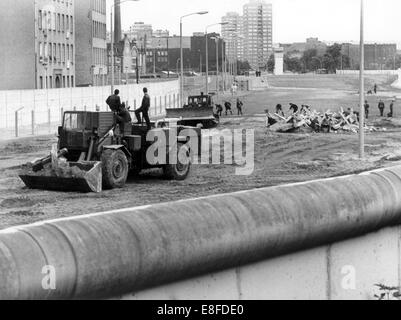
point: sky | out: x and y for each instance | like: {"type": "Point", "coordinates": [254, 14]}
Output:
{"type": "Point", "coordinates": [293, 20]}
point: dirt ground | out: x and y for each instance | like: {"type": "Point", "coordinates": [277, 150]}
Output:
{"type": "Point", "coordinates": [279, 158]}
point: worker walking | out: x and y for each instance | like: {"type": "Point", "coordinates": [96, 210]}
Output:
{"type": "Point", "coordinates": [227, 105]}
{"type": "Point", "coordinates": [366, 107]}
{"type": "Point", "coordinates": [391, 114]}
{"type": "Point", "coordinates": [239, 107]}
{"type": "Point", "coordinates": [144, 109]}
{"type": "Point", "coordinates": [114, 101]}
{"type": "Point", "coordinates": [381, 107]}
{"type": "Point", "coordinates": [219, 110]}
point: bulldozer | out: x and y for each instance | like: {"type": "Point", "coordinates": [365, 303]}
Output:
{"type": "Point", "coordinates": [95, 152]}
{"type": "Point", "coordinates": [198, 112]}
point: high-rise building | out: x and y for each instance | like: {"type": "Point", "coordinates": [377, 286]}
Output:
{"type": "Point", "coordinates": [258, 33]}
{"type": "Point", "coordinates": [232, 33]}
{"type": "Point", "coordinates": [37, 42]}
{"type": "Point", "coordinates": [90, 40]}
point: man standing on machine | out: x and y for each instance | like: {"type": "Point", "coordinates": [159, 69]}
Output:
{"type": "Point", "coordinates": [144, 109]}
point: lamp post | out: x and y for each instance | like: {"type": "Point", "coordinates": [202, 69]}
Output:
{"type": "Point", "coordinates": [136, 63]}
{"type": "Point", "coordinates": [217, 62]}
{"type": "Point", "coordinates": [207, 51]}
{"type": "Point", "coordinates": [112, 41]}
{"type": "Point", "coordinates": [362, 88]}
{"type": "Point", "coordinates": [200, 61]}
{"type": "Point", "coordinates": [182, 53]}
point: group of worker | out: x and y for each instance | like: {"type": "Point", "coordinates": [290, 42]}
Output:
{"type": "Point", "coordinates": [294, 109]}
{"type": "Point", "coordinates": [121, 111]}
{"type": "Point", "coordinates": [228, 108]}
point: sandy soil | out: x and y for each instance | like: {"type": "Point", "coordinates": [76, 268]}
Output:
{"type": "Point", "coordinates": [279, 159]}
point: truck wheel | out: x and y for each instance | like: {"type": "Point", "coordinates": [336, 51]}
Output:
{"type": "Point", "coordinates": [115, 169]}
{"type": "Point", "coordinates": [178, 171]}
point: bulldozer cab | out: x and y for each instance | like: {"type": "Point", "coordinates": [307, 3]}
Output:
{"type": "Point", "coordinates": [75, 121]}
{"type": "Point", "coordinates": [200, 101]}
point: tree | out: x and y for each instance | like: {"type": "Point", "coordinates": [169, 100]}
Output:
{"type": "Point", "coordinates": [396, 61]}
{"type": "Point", "coordinates": [310, 60]}
{"type": "Point", "coordinates": [243, 66]}
{"type": "Point", "coordinates": [292, 64]}
{"type": "Point", "coordinates": [271, 63]}
{"type": "Point", "coordinates": [334, 59]}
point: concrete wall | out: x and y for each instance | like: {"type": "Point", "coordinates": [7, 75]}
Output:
{"type": "Point", "coordinates": [54, 101]}
{"type": "Point", "coordinates": [372, 72]}
{"type": "Point", "coordinates": [342, 271]}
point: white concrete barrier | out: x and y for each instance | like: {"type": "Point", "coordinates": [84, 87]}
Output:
{"type": "Point", "coordinates": [55, 100]}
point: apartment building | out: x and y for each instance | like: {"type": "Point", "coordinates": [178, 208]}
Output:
{"type": "Point", "coordinates": [258, 33]}
{"type": "Point", "coordinates": [232, 33]}
{"type": "Point", "coordinates": [91, 43]}
{"type": "Point", "coordinates": [37, 39]}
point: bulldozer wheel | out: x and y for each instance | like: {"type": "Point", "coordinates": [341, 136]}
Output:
{"type": "Point", "coordinates": [115, 169]}
{"type": "Point", "coordinates": [178, 171]}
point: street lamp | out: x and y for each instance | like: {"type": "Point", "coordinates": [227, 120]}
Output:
{"type": "Point", "coordinates": [362, 88]}
{"type": "Point", "coordinates": [182, 52]}
{"type": "Point", "coordinates": [207, 51]}
{"type": "Point", "coordinates": [217, 38]}
{"type": "Point", "coordinates": [136, 62]}
{"type": "Point", "coordinates": [112, 41]}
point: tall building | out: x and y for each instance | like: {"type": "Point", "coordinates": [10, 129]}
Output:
{"type": "Point", "coordinates": [232, 33]}
{"type": "Point", "coordinates": [258, 33]}
{"type": "Point", "coordinates": [90, 40]}
{"type": "Point", "coordinates": [37, 42]}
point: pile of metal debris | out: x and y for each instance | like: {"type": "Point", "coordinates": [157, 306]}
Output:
{"type": "Point", "coordinates": [308, 120]}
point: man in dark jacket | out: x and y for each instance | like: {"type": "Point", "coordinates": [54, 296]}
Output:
{"type": "Point", "coordinates": [239, 107]}
{"type": "Point", "coordinates": [227, 105]}
{"type": "Point", "coordinates": [144, 109]}
{"type": "Point", "coordinates": [366, 106]}
{"type": "Point", "coordinates": [294, 108]}
{"type": "Point", "coordinates": [391, 114]}
{"type": "Point", "coordinates": [114, 101]}
{"type": "Point", "coordinates": [279, 110]}
{"type": "Point", "coordinates": [123, 117]}
{"type": "Point", "coordinates": [381, 108]}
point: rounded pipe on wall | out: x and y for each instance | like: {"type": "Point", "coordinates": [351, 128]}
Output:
{"type": "Point", "coordinates": [110, 254]}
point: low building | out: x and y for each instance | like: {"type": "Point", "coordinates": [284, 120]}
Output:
{"type": "Point", "coordinates": [377, 56]}
{"type": "Point", "coordinates": [297, 49]}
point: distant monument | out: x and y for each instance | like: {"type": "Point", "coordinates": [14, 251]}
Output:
{"type": "Point", "coordinates": [279, 61]}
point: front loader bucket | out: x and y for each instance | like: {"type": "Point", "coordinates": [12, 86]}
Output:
{"type": "Point", "coordinates": [76, 176]}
